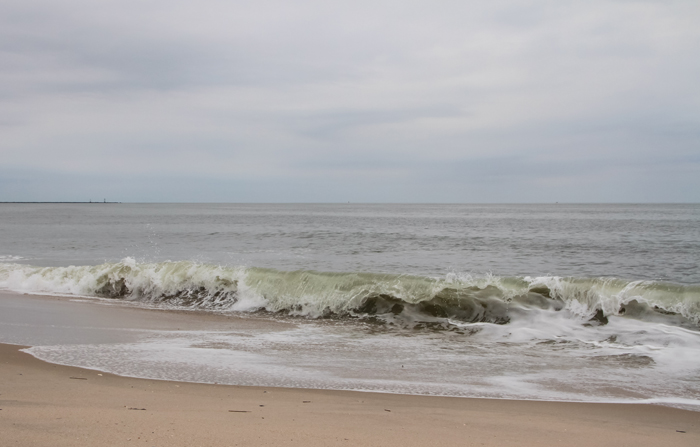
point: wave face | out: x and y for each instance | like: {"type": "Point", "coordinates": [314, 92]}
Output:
{"type": "Point", "coordinates": [448, 302]}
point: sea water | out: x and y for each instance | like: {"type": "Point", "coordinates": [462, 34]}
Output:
{"type": "Point", "coordinates": [555, 302]}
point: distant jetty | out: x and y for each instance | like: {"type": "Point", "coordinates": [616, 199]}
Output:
{"type": "Point", "coordinates": [103, 202]}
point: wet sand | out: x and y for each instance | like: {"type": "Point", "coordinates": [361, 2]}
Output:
{"type": "Point", "coordinates": [46, 404]}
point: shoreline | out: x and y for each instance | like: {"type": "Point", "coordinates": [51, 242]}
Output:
{"type": "Point", "coordinates": [42, 320]}
{"type": "Point", "coordinates": [43, 403]}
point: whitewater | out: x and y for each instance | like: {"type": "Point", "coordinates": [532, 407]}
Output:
{"type": "Point", "coordinates": [596, 303]}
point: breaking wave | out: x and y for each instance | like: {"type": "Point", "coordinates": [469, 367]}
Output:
{"type": "Point", "coordinates": [449, 301]}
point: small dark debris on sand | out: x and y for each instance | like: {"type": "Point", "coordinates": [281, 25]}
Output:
{"type": "Point", "coordinates": [140, 409]}
{"type": "Point", "coordinates": [238, 411]}
{"type": "Point", "coordinates": [78, 378]}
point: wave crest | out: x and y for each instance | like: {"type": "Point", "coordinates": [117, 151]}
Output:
{"type": "Point", "coordinates": [392, 298]}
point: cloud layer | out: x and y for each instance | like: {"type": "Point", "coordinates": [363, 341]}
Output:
{"type": "Point", "coordinates": [444, 101]}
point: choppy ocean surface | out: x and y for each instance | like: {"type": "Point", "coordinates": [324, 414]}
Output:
{"type": "Point", "coordinates": [554, 302]}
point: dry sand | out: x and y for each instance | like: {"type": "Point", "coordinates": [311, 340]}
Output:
{"type": "Point", "coordinates": [51, 405]}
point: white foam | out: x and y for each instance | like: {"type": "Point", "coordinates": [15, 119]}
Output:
{"type": "Point", "coordinates": [493, 363]}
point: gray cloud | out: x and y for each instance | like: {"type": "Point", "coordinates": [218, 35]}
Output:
{"type": "Point", "coordinates": [362, 101]}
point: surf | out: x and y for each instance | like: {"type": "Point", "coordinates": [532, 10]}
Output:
{"type": "Point", "coordinates": [394, 299]}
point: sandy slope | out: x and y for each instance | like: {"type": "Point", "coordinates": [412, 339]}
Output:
{"type": "Point", "coordinates": [44, 404]}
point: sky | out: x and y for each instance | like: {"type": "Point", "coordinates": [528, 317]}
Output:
{"type": "Point", "coordinates": [361, 101]}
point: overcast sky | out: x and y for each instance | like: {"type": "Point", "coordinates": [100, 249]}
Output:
{"type": "Point", "coordinates": [361, 101]}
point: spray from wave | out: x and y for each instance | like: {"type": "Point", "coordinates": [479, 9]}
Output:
{"type": "Point", "coordinates": [447, 302]}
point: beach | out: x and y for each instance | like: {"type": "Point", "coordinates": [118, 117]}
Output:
{"type": "Point", "coordinates": [285, 325]}
{"type": "Point", "coordinates": [228, 223]}
{"type": "Point", "coordinates": [47, 404]}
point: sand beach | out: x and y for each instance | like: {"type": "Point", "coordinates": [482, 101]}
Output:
{"type": "Point", "coordinates": [46, 404]}
{"type": "Point", "coordinates": [254, 325]}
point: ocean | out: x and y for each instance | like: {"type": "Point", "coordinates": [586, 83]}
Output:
{"type": "Point", "coordinates": [593, 303]}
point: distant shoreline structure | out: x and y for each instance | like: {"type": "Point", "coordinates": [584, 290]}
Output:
{"type": "Point", "coordinates": [104, 202]}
